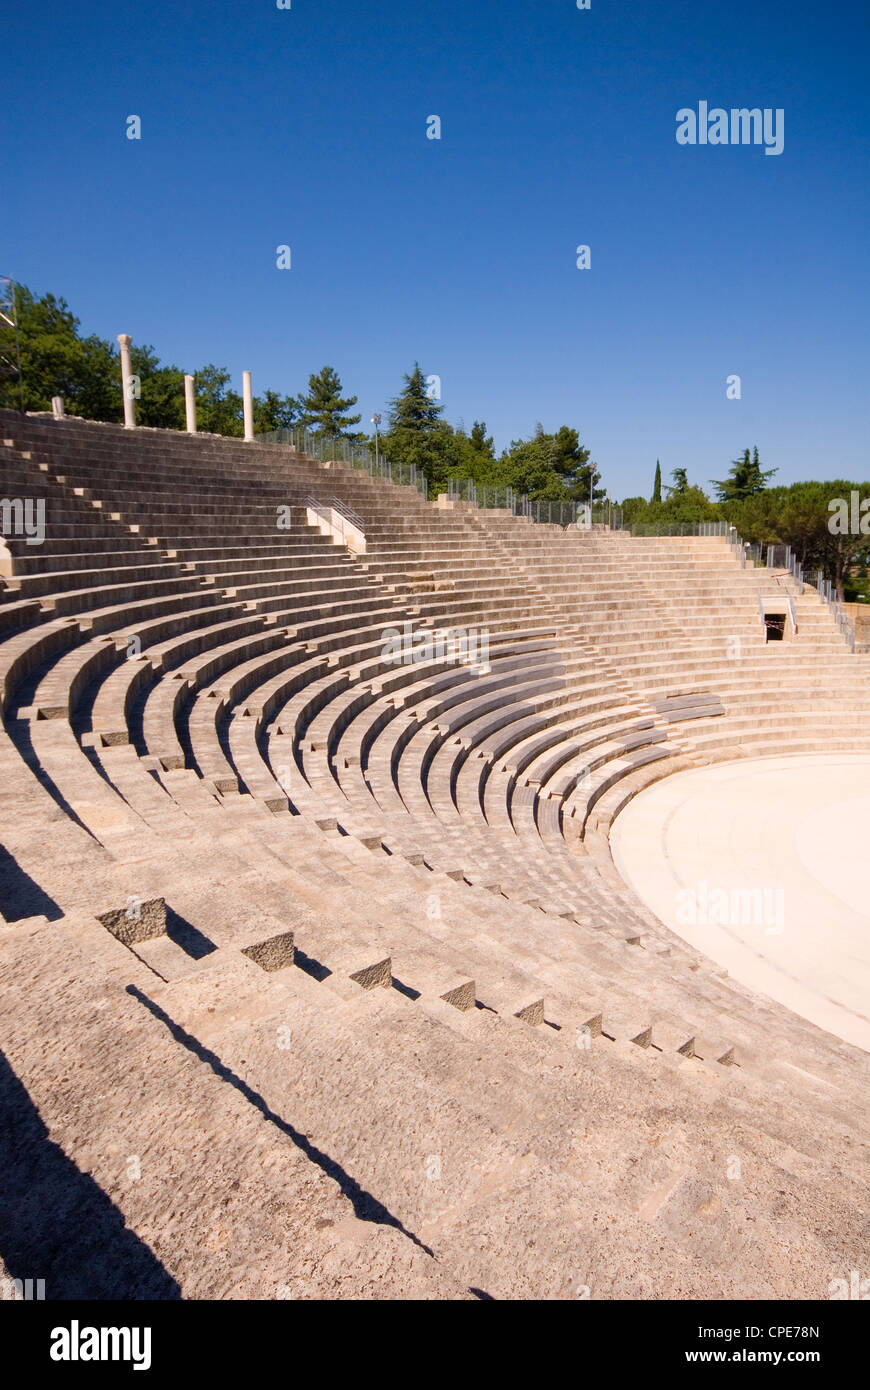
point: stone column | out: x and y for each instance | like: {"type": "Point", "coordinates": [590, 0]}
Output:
{"type": "Point", "coordinates": [248, 398]}
{"type": "Point", "coordinates": [190, 404]}
{"type": "Point", "coordinates": [124, 341]}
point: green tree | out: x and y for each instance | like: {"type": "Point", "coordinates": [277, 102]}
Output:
{"type": "Point", "coordinates": [552, 467]}
{"type": "Point", "coordinates": [481, 443]}
{"type": "Point", "coordinates": [801, 516]}
{"type": "Point", "coordinates": [417, 434]}
{"type": "Point", "coordinates": [323, 408]}
{"type": "Point", "coordinates": [218, 410]}
{"type": "Point", "coordinates": [414, 409]}
{"type": "Point", "coordinates": [683, 505]}
{"type": "Point", "coordinates": [161, 402]}
{"type": "Point", "coordinates": [745, 479]}
{"type": "Point", "coordinates": [56, 361]}
{"type": "Point", "coordinates": [634, 509]}
{"type": "Point", "coordinates": [657, 483]}
{"type": "Point", "coordinates": [681, 482]}
{"type": "Point", "coordinates": [274, 412]}
{"type": "Point", "coordinates": [690, 504]}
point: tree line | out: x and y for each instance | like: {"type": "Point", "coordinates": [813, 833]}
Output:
{"type": "Point", "coordinates": [57, 360]}
{"type": "Point", "coordinates": [799, 515]}
{"type": "Point", "coordinates": [548, 466]}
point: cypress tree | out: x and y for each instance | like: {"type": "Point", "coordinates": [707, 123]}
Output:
{"type": "Point", "coordinates": [657, 485]}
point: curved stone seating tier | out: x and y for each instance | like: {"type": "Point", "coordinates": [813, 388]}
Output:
{"type": "Point", "coordinates": [164, 705]}
{"type": "Point", "coordinates": [140, 648]}
{"type": "Point", "coordinates": [144, 574]}
{"type": "Point", "coordinates": [466, 730]}
{"type": "Point", "coordinates": [113, 591]}
{"type": "Point", "coordinates": [330, 801]}
{"type": "Point", "coordinates": [453, 686]}
{"type": "Point", "coordinates": [291, 701]}
{"type": "Point", "coordinates": [440, 855]}
{"type": "Point", "coordinates": [307, 713]}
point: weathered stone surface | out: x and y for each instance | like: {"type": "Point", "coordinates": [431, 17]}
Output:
{"type": "Point", "coordinates": [219, 1131]}
{"type": "Point", "coordinates": [532, 1014]}
{"type": "Point", "coordinates": [381, 973]}
{"type": "Point", "coordinates": [138, 921]}
{"type": "Point", "coordinates": [462, 997]}
{"type": "Point", "coordinates": [274, 954]}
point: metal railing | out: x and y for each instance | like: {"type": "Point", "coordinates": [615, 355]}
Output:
{"type": "Point", "coordinates": [797, 573]}
{"type": "Point", "coordinates": [548, 512]}
{"type": "Point", "coordinates": [339, 521]}
{"type": "Point", "coordinates": [782, 557]}
{"type": "Point", "coordinates": [338, 449]}
{"type": "Point", "coordinates": [681, 528]}
{"type": "Point", "coordinates": [337, 505]}
{"type": "Point", "coordinates": [778, 557]}
{"type": "Point", "coordinates": [467, 490]}
{"type": "Point", "coordinates": [567, 514]}
{"type": "Point", "coordinates": [735, 542]}
{"type": "Point", "coordinates": [828, 594]}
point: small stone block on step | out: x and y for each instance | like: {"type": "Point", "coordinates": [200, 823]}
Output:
{"type": "Point", "coordinates": [374, 975]}
{"type": "Point", "coordinates": [532, 1014]}
{"type": "Point", "coordinates": [274, 953]}
{"type": "Point", "coordinates": [138, 921]}
{"type": "Point", "coordinates": [462, 997]}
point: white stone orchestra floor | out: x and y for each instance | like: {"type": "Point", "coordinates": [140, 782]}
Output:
{"type": "Point", "coordinates": [764, 865]}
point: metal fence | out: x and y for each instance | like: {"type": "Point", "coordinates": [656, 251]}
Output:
{"type": "Point", "coordinates": [549, 512]}
{"type": "Point", "coordinates": [338, 449]}
{"type": "Point", "coordinates": [828, 594]}
{"type": "Point", "coordinates": [795, 569]}
{"type": "Point", "coordinates": [680, 528]}
{"type": "Point", "coordinates": [578, 514]}
{"type": "Point", "coordinates": [467, 490]}
{"type": "Point", "coordinates": [774, 557]}
{"type": "Point", "coordinates": [782, 557]}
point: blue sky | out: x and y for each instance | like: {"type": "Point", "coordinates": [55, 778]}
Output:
{"type": "Point", "coordinates": [307, 127]}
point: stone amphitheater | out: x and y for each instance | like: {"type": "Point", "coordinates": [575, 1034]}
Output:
{"type": "Point", "coordinates": [318, 976]}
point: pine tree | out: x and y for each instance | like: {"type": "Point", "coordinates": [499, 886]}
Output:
{"type": "Point", "coordinates": [681, 482]}
{"type": "Point", "coordinates": [481, 441]}
{"type": "Point", "coordinates": [323, 408]}
{"type": "Point", "coordinates": [414, 409]}
{"type": "Point", "coordinates": [552, 467]}
{"type": "Point", "coordinates": [274, 412]}
{"type": "Point", "coordinates": [746, 478]}
{"type": "Point", "coordinates": [417, 434]}
{"type": "Point", "coordinates": [657, 485]}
